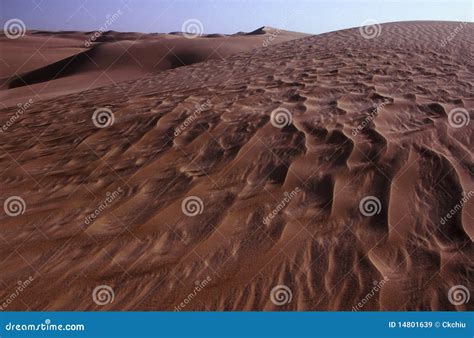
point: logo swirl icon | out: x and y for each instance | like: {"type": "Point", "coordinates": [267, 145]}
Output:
{"type": "Point", "coordinates": [14, 29]}
{"type": "Point", "coordinates": [192, 28]}
{"type": "Point", "coordinates": [103, 294]}
{"type": "Point", "coordinates": [192, 206]}
{"type": "Point", "coordinates": [103, 118]}
{"type": "Point", "coordinates": [281, 295]}
{"type": "Point", "coordinates": [281, 117]}
{"type": "Point", "coordinates": [14, 206]}
{"type": "Point", "coordinates": [458, 295]}
{"type": "Point", "coordinates": [370, 29]}
{"type": "Point", "coordinates": [370, 206]}
{"type": "Point", "coordinates": [458, 118]}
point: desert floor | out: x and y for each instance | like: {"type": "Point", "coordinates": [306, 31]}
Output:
{"type": "Point", "coordinates": [301, 173]}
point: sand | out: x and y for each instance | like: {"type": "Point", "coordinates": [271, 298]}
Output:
{"type": "Point", "coordinates": [216, 203]}
{"type": "Point", "coordinates": [44, 65]}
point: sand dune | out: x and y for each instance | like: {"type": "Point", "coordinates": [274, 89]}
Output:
{"type": "Point", "coordinates": [243, 180]}
{"type": "Point", "coordinates": [46, 64]}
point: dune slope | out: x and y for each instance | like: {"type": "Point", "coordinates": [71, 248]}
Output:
{"type": "Point", "coordinates": [293, 177]}
{"type": "Point", "coordinates": [45, 65]}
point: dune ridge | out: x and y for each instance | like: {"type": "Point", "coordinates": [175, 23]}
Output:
{"type": "Point", "coordinates": [50, 64]}
{"type": "Point", "coordinates": [205, 131]}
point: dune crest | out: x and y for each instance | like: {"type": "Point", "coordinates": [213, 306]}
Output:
{"type": "Point", "coordinates": [307, 175]}
{"type": "Point", "coordinates": [50, 64]}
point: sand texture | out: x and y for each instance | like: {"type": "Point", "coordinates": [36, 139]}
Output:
{"type": "Point", "coordinates": [246, 173]}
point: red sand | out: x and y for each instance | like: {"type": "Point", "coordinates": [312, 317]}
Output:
{"type": "Point", "coordinates": [45, 64]}
{"type": "Point", "coordinates": [273, 206]}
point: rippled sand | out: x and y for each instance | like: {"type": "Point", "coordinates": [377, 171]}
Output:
{"type": "Point", "coordinates": [341, 195]}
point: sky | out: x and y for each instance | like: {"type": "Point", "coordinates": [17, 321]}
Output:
{"type": "Point", "coordinates": [224, 16]}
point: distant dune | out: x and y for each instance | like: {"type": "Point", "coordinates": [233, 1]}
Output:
{"type": "Point", "coordinates": [244, 172]}
{"type": "Point", "coordinates": [58, 63]}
